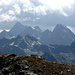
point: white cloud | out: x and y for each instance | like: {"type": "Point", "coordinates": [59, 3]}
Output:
{"type": "Point", "coordinates": [27, 8]}
{"type": "Point", "coordinates": [7, 30]}
{"type": "Point", "coordinates": [5, 2]}
{"type": "Point", "coordinates": [0, 3]}
{"type": "Point", "coordinates": [17, 8]}
{"type": "Point", "coordinates": [37, 18]}
{"type": "Point", "coordinates": [49, 5]}
{"type": "Point", "coordinates": [6, 17]}
{"type": "Point", "coordinates": [64, 13]}
{"type": "Point", "coordinates": [26, 19]}
{"type": "Point", "coordinates": [58, 5]}
{"type": "Point", "coordinates": [11, 12]}
{"type": "Point", "coordinates": [42, 7]}
{"type": "Point", "coordinates": [40, 10]}
{"type": "Point", "coordinates": [1, 30]}
{"type": "Point", "coordinates": [26, 2]}
{"type": "Point", "coordinates": [72, 29]}
{"type": "Point", "coordinates": [1, 9]}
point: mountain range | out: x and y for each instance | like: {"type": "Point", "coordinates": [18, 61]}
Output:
{"type": "Point", "coordinates": [61, 35]}
{"type": "Point", "coordinates": [23, 46]}
{"type": "Point", "coordinates": [17, 29]}
{"type": "Point", "coordinates": [56, 46]}
{"type": "Point", "coordinates": [29, 45]}
{"type": "Point", "coordinates": [5, 34]}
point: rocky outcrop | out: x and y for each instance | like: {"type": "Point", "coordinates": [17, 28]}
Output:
{"type": "Point", "coordinates": [32, 65]}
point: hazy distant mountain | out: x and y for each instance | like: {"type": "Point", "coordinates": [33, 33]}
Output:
{"type": "Point", "coordinates": [62, 35]}
{"type": "Point", "coordinates": [34, 31]}
{"type": "Point", "coordinates": [45, 36]}
{"type": "Point", "coordinates": [17, 29]}
{"type": "Point", "coordinates": [5, 34]}
{"type": "Point", "coordinates": [37, 28]}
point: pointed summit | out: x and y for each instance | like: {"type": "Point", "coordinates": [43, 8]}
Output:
{"type": "Point", "coordinates": [5, 34]}
{"type": "Point", "coordinates": [18, 23]}
{"type": "Point", "coordinates": [17, 29]}
{"type": "Point", "coordinates": [31, 31]}
{"type": "Point", "coordinates": [62, 35]}
{"type": "Point", "coordinates": [37, 28]}
{"type": "Point", "coordinates": [60, 27]}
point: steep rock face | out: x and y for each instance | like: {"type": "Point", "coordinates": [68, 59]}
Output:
{"type": "Point", "coordinates": [32, 65]}
{"type": "Point", "coordinates": [5, 34]}
{"type": "Point", "coordinates": [17, 29]}
{"type": "Point", "coordinates": [62, 35]}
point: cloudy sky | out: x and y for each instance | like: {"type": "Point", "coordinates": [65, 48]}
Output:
{"type": "Point", "coordinates": [44, 13]}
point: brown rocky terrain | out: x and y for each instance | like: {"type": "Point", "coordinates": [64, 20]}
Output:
{"type": "Point", "coordinates": [10, 64]}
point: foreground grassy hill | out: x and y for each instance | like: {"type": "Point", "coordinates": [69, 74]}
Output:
{"type": "Point", "coordinates": [10, 64]}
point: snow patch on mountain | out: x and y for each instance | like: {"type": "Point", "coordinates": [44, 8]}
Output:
{"type": "Point", "coordinates": [11, 44]}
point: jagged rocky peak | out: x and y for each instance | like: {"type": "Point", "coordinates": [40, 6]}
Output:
{"type": "Point", "coordinates": [61, 34]}
{"type": "Point", "coordinates": [59, 27]}
{"type": "Point", "coordinates": [47, 31]}
{"type": "Point", "coordinates": [5, 34]}
{"type": "Point", "coordinates": [37, 28]}
{"type": "Point", "coordinates": [18, 23]}
{"type": "Point", "coordinates": [17, 29]}
{"type": "Point", "coordinates": [62, 28]}
{"type": "Point", "coordinates": [4, 31]}
{"type": "Point", "coordinates": [31, 28]}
